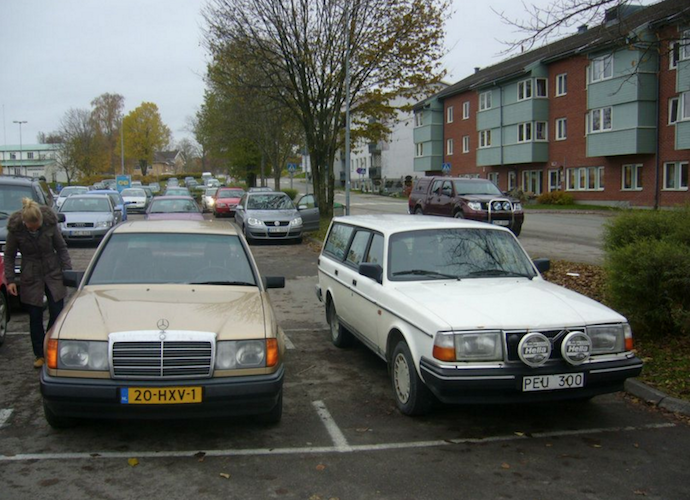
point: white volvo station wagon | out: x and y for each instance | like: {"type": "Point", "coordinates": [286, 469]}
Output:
{"type": "Point", "coordinates": [461, 314]}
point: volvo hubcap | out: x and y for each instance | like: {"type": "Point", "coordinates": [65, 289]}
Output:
{"type": "Point", "coordinates": [401, 374]}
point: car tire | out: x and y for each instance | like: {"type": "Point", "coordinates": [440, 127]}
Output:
{"type": "Point", "coordinates": [418, 211]}
{"type": "Point", "coordinates": [517, 231]}
{"type": "Point", "coordinates": [459, 215]}
{"type": "Point", "coordinates": [4, 309]}
{"type": "Point", "coordinates": [276, 413]}
{"type": "Point", "coordinates": [57, 422]}
{"type": "Point", "coordinates": [412, 396]}
{"type": "Point", "coordinates": [339, 335]}
{"type": "Point", "coordinates": [249, 239]}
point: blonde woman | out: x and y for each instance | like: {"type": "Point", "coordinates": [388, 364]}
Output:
{"type": "Point", "coordinates": [34, 232]}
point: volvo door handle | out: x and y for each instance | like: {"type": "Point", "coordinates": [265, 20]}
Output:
{"type": "Point", "coordinates": [354, 282]}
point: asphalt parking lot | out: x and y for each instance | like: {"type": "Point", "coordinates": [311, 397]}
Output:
{"type": "Point", "coordinates": [341, 435]}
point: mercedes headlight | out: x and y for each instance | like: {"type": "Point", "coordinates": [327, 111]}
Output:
{"type": "Point", "coordinates": [82, 355]}
{"type": "Point", "coordinates": [232, 355]}
{"type": "Point", "coordinates": [608, 339]}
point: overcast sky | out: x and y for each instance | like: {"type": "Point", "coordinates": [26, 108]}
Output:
{"type": "Point", "coordinates": [56, 55]}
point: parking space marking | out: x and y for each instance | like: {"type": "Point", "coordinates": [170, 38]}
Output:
{"type": "Point", "coordinates": [336, 434]}
{"type": "Point", "coordinates": [4, 416]}
{"type": "Point", "coordinates": [288, 342]}
{"type": "Point", "coordinates": [315, 450]}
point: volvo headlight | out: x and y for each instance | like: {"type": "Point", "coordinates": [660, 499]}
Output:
{"type": "Point", "coordinates": [608, 339]}
{"type": "Point", "coordinates": [254, 222]}
{"type": "Point", "coordinates": [237, 354]}
{"type": "Point", "coordinates": [297, 221]}
{"type": "Point", "coordinates": [82, 355]}
{"type": "Point", "coordinates": [471, 346]}
{"type": "Point", "coordinates": [474, 205]}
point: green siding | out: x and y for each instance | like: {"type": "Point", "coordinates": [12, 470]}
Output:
{"type": "Point", "coordinates": [489, 119]}
{"type": "Point", "coordinates": [622, 142]}
{"type": "Point", "coordinates": [683, 69]}
{"type": "Point", "coordinates": [427, 133]}
{"type": "Point", "coordinates": [526, 111]}
{"type": "Point", "coordinates": [529, 152]}
{"type": "Point", "coordinates": [427, 163]}
{"type": "Point", "coordinates": [683, 135]}
{"type": "Point", "coordinates": [646, 114]}
{"type": "Point", "coordinates": [640, 87]}
{"type": "Point", "coordinates": [489, 156]}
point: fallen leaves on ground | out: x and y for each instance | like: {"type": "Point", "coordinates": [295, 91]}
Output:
{"type": "Point", "coordinates": [133, 462]}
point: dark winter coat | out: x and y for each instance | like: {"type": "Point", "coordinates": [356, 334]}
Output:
{"type": "Point", "coordinates": [44, 257]}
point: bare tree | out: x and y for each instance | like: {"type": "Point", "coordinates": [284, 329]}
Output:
{"type": "Point", "coordinates": [82, 151]}
{"type": "Point", "coordinates": [107, 118]}
{"type": "Point", "coordinates": [300, 48]}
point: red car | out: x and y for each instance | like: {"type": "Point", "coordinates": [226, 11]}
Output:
{"type": "Point", "coordinates": [226, 199]}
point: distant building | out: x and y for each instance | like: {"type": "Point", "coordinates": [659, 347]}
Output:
{"type": "Point", "coordinates": [165, 163]}
{"type": "Point", "coordinates": [32, 160]}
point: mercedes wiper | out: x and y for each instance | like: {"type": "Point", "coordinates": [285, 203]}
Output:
{"type": "Point", "coordinates": [226, 283]}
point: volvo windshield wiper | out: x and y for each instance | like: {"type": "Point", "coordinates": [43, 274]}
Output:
{"type": "Point", "coordinates": [424, 272]}
{"type": "Point", "coordinates": [499, 272]}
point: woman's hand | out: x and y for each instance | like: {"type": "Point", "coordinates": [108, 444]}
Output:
{"type": "Point", "coordinates": [12, 289]}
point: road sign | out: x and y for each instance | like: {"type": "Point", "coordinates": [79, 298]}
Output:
{"type": "Point", "coordinates": [292, 167]}
{"type": "Point", "coordinates": [446, 168]}
{"type": "Point", "coordinates": [360, 171]}
{"type": "Point", "coordinates": [123, 182]}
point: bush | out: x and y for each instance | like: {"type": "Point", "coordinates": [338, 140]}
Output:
{"type": "Point", "coordinates": [648, 270]}
{"type": "Point", "coordinates": [292, 193]}
{"type": "Point", "coordinates": [555, 198]}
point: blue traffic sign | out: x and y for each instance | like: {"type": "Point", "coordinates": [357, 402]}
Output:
{"type": "Point", "coordinates": [292, 167]}
{"type": "Point", "coordinates": [446, 168]}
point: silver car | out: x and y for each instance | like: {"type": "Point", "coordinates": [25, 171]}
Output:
{"type": "Point", "coordinates": [135, 198]}
{"type": "Point", "coordinates": [88, 217]}
{"type": "Point", "coordinates": [268, 216]}
{"type": "Point", "coordinates": [68, 191]}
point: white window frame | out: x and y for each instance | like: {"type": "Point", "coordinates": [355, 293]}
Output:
{"type": "Point", "coordinates": [493, 177]}
{"type": "Point", "coordinates": [561, 84]}
{"type": "Point", "coordinates": [684, 111]}
{"type": "Point", "coordinates": [541, 131]}
{"type": "Point", "coordinates": [677, 183]}
{"type": "Point", "coordinates": [673, 103]}
{"type": "Point", "coordinates": [525, 132]}
{"type": "Point", "coordinates": [544, 87]}
{"type": "Point", "coordinates": [601, 112]}
{"type": "Point", "coordinates": [512, 180]}
{"type": "Point", "coordinates": [524, 88]}
{"type": "Point", "coordinates": [485, 101]}
{"type": "Point", "coordinates": [449, 114]}
{"type": "Point", "coordinates": [419, 119]}
{"type": "Point", "coordinates": [466, 110]}
{"type": "Point", "coordinates": [554, 180]}
{"type": "Point", "coordinates": [601, 68]}
{"type": "Point", "coordinates": [13, 156]}
{"type": "Point", "coordinates": [635, 177]}
{"type": "Point", "coordinates": [561, 129]}
{"type": "Point", "coordinates": [466, 144]}
{"type": "Point", "coordinates": [584, 179]}
{"type": "Point", "coordinates": [532, 175]}
{"type": "Point", "coordinates": [449, 147]}
{"type": "Point", "coordinates": [484, 139]}
{"type": "Point", "coordinates": [685, 46]}
{"type": "Point", "coordinates": [420, 150]}
{"type": "Point", "coordinates": [30, 155]}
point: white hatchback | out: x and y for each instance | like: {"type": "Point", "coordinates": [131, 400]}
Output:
{"type": "Point", "coordinates": [461, 314]}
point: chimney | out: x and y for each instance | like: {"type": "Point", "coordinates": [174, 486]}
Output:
{"type": "Point", "coordinates": [476, 69]}
{"type": "Point", "coordinates": [582, 29]}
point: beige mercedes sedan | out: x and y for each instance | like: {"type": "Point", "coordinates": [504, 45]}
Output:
{"type": "Point", "coordinates": [171, 319]}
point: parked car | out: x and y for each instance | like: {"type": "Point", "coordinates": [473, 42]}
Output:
{"type": "Point", "coordinates": [177, 191]}
{"type": "Point", "coordinates": [115, 199]}
{"type": "Point", "coordinates": [260, 189]}
{"type": "Point", "coordinates": [309, 211]}
{"type": "Point", "coordinates": [474, 199]}
{"type": "Point", "coordinates": [155, 187]}
{"type": "Point", "coordinates": [136, 184]}
{"type": "Point", "coordinates": [268, 216]}
{"type": "Point", "coordinates": [147, 351]}
{"type": "Point", "coordinates": [149, 194]}
{"type": "Point", "coordinates": [88, 217]}
{"type": "Point", "coordinates": [208, 199]}
{"type": "Point", "coordinates": [460, 313]}
{"type": "Point", "coordinates": [4, 303]}
{"type": "Point", "coordinates": [210, 183]}
{"type": "Point", "coordinates": [67, 191]}
{"type": "Point", "coordinates": [226, 200]}
{"type": "Point", "coordinates": [135, 199]}
{"type": "Point", "coordinates": [173, 207]}
{"type": "Point", "coordinates": [172, 182]}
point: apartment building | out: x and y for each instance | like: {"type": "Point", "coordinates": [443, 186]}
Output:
{"type": "Point", "coordinates": [603, 114]}
{"type": "Point", "coordinates": [32, 160]}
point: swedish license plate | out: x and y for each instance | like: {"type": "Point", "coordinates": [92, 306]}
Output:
{"type": "Point", "coordinates": [160, 396]}
{"type": "Point", "coordinates": [276, 229]}
{"type": "Point", "coordinates": [80, 233]}
{"type": "Point", "coordinates": [501, 222]}
{"type": "Point", "coordinates": [553, 382]}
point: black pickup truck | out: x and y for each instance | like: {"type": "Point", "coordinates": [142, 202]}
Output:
{"type": "Point", "coordinates": [472, 199]}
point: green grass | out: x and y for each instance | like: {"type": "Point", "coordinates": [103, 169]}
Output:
{"type": "Point", "coordinates": [666, 364]}
{"type": "Point", "coordinates": [601, 208]}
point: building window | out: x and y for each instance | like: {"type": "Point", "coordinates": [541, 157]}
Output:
{"type": "Point", "coordinates": [512, 180]}
{"type": "Point", "coordinates": [541, 131]}
{"type": "Point", "coordinates": [601, 68]}
{"type": "Point", "coordinates": [554, 180]}
{"type": "Point", "coordinates": [449, 147]}
{"type": "Point", "coordinates": [673, 54]}
{"type": "Point", "coordinates": [561, 129]}
{"type": "Point", "coordinates": [585, 179]}
{"type": "Point", "coordinates": [685, 49]}
{"type": "Point", "coordinates": [449, 114]}
{"type": "Point", "coordinates": [524, 90]}
{"type": "Point", "coordinates": [561, 84]}
{"type": "Point", "coordinates": [673, 105]}
{"type": "Point", "coordinates": [600, 120]}
{"type": "Point", "coordinates": [30, 155]}
{"type": "Point", "coordinates": [676, 176]}
{"type": "Point", "coordinates": [493, 177]}
{"type": "Point", "coordinates": [485, 138]}
{"type": "Point", "coordinates": [484, 101]}
{"type": "Point", "coordinates": [542, 85]}
{"type": "Point", "coordinates": [524, 132]}
{"type": "Point", "coordinates": [419, 119]}
{"type": "Point", "coordinates": [531, 181]}
{"type": "Point", "coordinates": [13, 156]}
{"type": "Point", "coordinates": [466, 144]}
{"type": "Point", "coordinates": [465, 110]}
{"type": "Point", "coordinates": [685, 106]}
{"type": "Point", "coordinates": [632, 178]}
{"type": "Point", "coordinates": [420, 149]}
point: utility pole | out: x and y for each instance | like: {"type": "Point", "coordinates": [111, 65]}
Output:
{"type": "Point", "coordinates": [122, 146]}
{"type": "Point", "coordinates": [21, 147]}
{"type": "Point", "coordinates": [347, 112]}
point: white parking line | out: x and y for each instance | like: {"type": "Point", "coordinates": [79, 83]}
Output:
{"type": "Point", "coordinates": [318, 449]}
{"type": "Point", "coordinates": [336, 435]}
{"type": "Point", "coordinates": [288, 342]}
{"type": "Point", "coordinates": [4, 416]}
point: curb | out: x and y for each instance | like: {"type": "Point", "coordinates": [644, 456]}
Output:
{"type": "Point", "coordinates": [656, 397]}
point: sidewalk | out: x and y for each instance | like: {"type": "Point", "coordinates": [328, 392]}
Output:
{"type": "Point", "coordinates": [657, 398]}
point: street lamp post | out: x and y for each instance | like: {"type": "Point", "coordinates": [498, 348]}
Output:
{"type": "Point", "coordinates": [21, 148]}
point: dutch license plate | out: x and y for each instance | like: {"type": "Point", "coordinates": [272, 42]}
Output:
{"type": "Point", "coordinates": [553, 382]}
{"type": "Point", "coordinates": [276, 229]}
{"type": "Point", "coordinates": [160, 396]}
{"type": "Point", "coordinates": [80, 233]}
{"type": "Point", "coordinates": [501, 222]}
